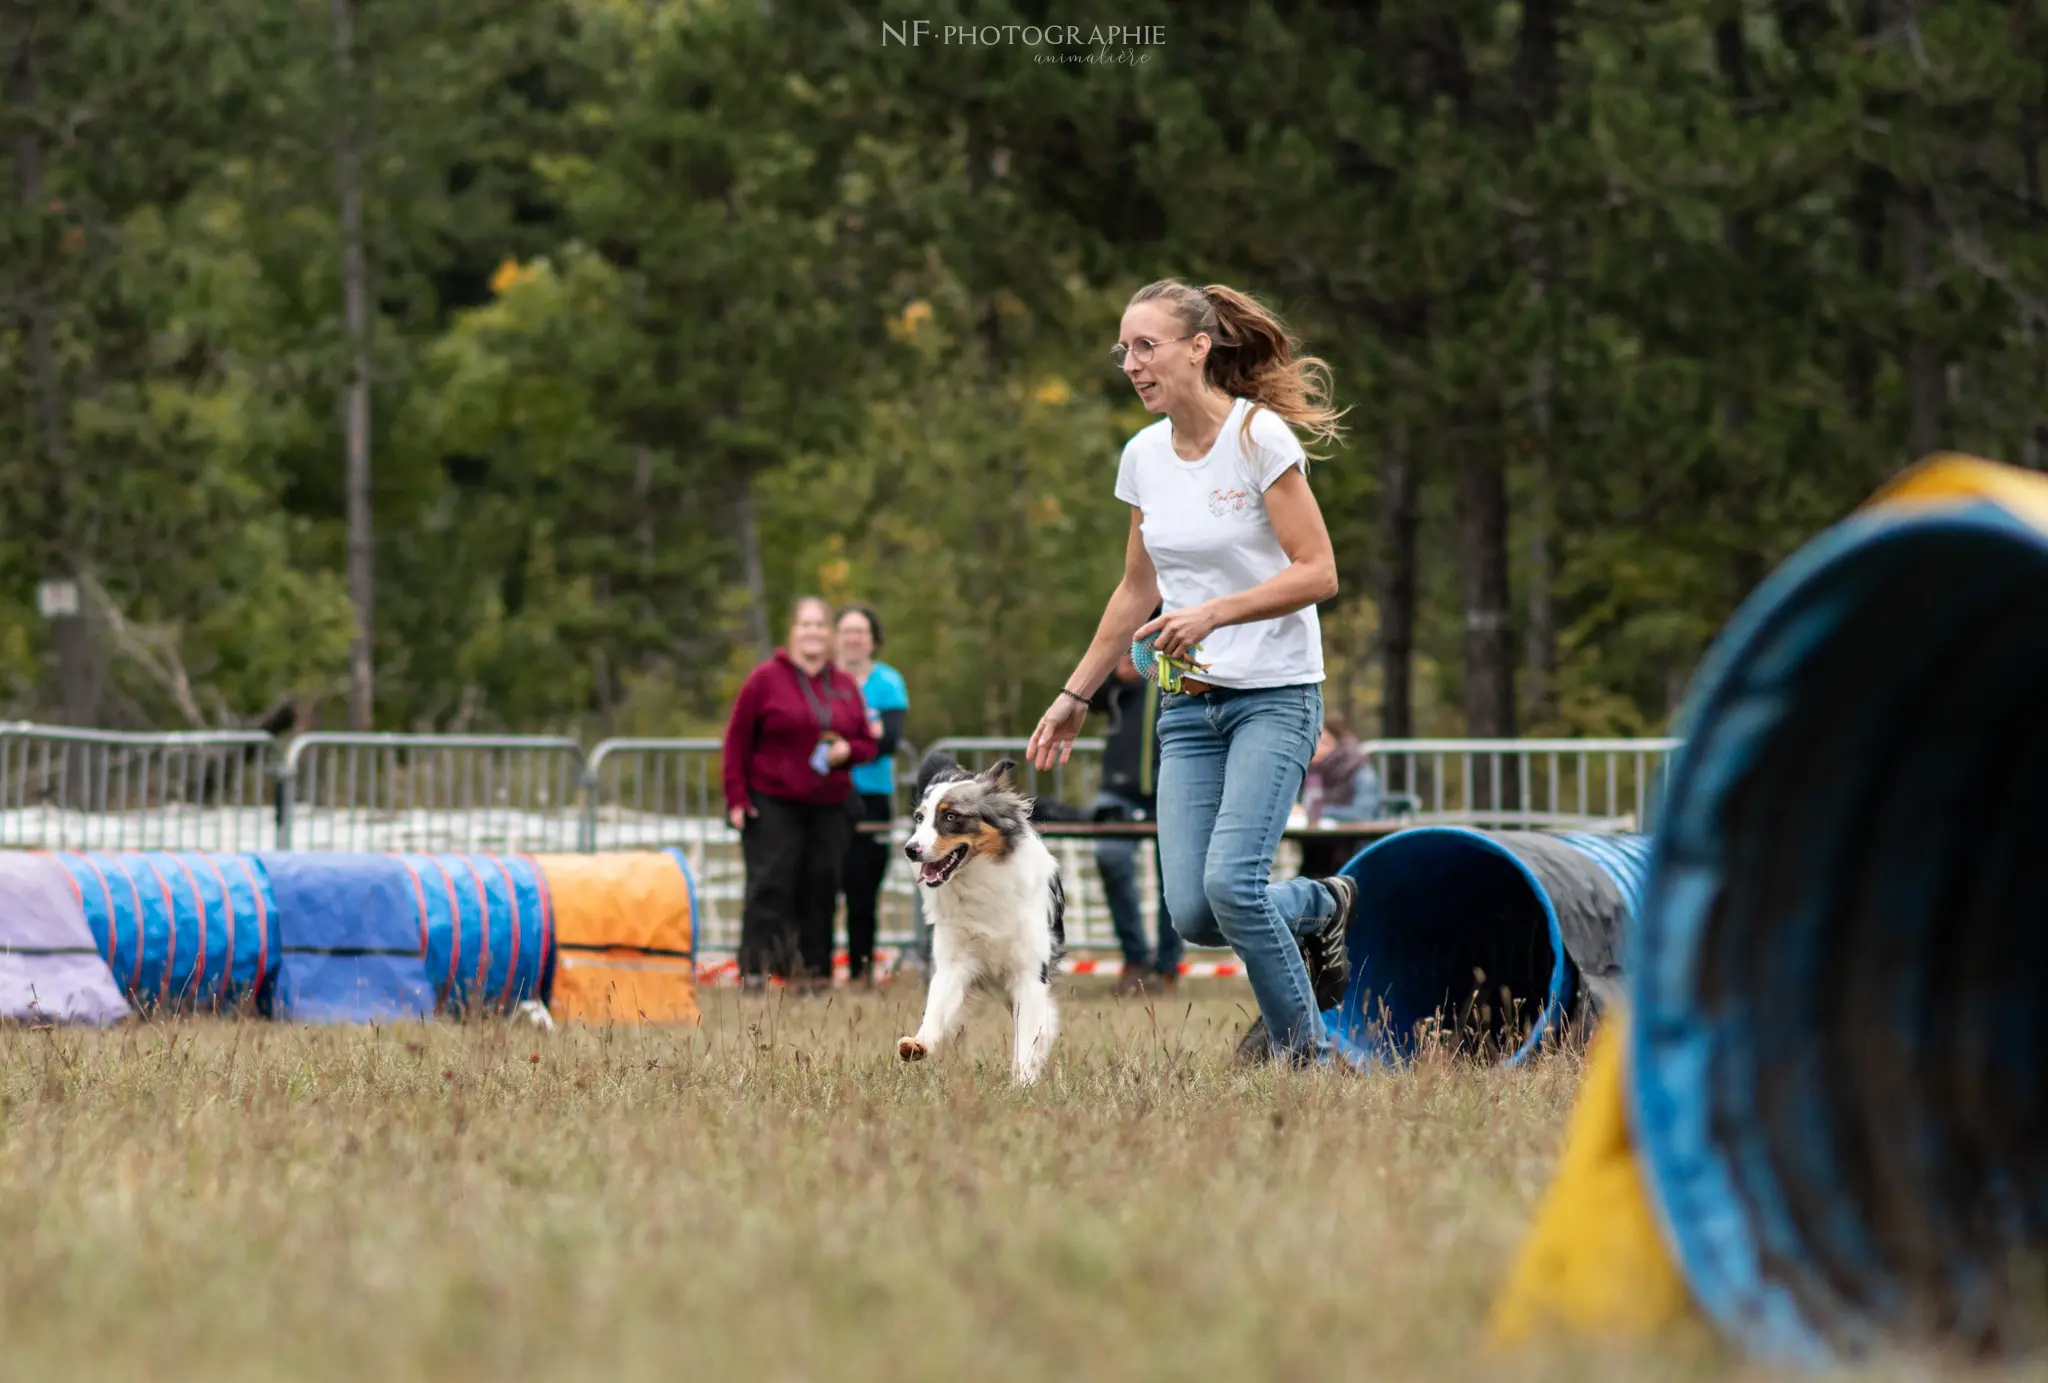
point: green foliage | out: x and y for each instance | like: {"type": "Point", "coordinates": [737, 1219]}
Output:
{"type": "Point", "coordinates": [682, 309]}
{"type": "Point", "coordinates": [978, 511]}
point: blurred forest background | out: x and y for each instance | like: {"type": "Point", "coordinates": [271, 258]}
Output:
{"type": "Point", "coordinates": [510, 364]}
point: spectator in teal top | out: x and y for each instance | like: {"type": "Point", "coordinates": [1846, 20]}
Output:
{"type": "Point", "coordinates": [867, 858]}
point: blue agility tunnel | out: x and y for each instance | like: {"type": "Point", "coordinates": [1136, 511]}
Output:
{"type": "Point", "coordinates": [1838, 1061]}
{"type": "Point", "coordinates": [353, 939]}
{"type": "Point", "coordinates": [1493, 940]}
{"type": "Point", "coordinates": [181, 931]}
{"type": "Point", "coordinates": [490, 929]}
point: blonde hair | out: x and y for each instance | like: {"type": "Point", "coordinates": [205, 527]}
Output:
{"type": "Point", "coordinates": [1252, 355]}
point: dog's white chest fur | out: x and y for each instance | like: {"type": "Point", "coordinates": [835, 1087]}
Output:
{"type": "Point", "coordinates": [993, 893]}
{"type": "Point", "coordinates": [995, 915]}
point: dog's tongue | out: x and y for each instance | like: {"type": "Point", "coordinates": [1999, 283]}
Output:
{"type": "Point", "coordinates": [931, 873]}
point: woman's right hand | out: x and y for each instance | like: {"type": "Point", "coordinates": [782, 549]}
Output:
{"type": "Point", "coordinates": [738, 817]}
{"type": "Point", "coordinates": [1053, 740]}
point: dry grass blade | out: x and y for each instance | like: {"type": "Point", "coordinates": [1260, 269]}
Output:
{"type": "Point", "coordinates": [773, 1197]}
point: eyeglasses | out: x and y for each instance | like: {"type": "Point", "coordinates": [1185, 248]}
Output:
{"type": "Point", "coordinates": [1143, 350]}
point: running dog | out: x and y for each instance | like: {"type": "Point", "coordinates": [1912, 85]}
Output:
{"type": "Point", "coordinates": [996, 904]}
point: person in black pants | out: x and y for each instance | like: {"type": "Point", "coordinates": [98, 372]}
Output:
{"type": "Point", "coordinates": [797, 726]}
{"type": "Point", "coordinates": [1127, 792]}
{"type": "Point", "coordinates": [859, 632]}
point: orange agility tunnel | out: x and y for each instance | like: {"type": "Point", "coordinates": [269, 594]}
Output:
{"type": "Point", "coordinates": [625, 937]}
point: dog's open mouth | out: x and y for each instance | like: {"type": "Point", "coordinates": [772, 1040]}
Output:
{"type": "Point", "coordinates": [932, 873]}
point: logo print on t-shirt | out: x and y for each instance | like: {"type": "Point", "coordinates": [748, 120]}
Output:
{"type": "Point", "coordinates": [1223, 503]}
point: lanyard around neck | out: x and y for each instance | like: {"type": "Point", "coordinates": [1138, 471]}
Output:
{"type": "Point", "coordinates": [818, 707]}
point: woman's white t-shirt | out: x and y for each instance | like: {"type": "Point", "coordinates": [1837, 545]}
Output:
{"type": "Point", "coordinates": [1206, 530]}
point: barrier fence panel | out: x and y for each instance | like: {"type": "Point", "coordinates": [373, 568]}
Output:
{"type": "Point", "coordinates": [1072, 784]}
{"type": "Point", "coordinates": [1575, 784]}
{"type": "Point", "coordinates": [429, 793]}
{"type": "Point", "coordinates": [64, 788]}
{"type": "Point", "coordinates": [74, 789]}
{"type": "Point", "coordinates": [648, 794]}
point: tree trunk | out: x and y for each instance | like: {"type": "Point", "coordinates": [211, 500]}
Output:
{"type": "Point", "coordinates": [1536, 59]}
{"type": "Point", "coordinates": [1738, 241]}
{"type": "Point", "coordinates": [758, 625]}
{"type": "Point", "coordinates": [71, 635]}
{"type": "Point", "coordinates": [1926, 372]}
{"type": "Point", "coordinates": [1537, 81]}
{"type": "Point", "coordinates": [1483, 580]}
{"type": "Point", "coordinates": [1541, 638]}
{"type": "Point", "coordinates": [1397, 597]}
{"type": "Point", "coordinates": [1867, 213]}
{"type": "Point", "coordinates": [2034, 432]}
{"type": "Point", "coordinates": [643, 509]}
{"type": "Point", "coordinates": [1738, 235]}
{"type": "Point", "coordinates": [355, 290]}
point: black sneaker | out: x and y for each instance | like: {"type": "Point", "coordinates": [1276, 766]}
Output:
{"type": "Point", "coordinates": [1325, 950]}
{"type": "Point", "coordinates": [1255, 1048]}
{"type": "Point", "coordinates": [1327, 954]}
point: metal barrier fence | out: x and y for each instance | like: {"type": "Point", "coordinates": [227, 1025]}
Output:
{"type": "Point", "coordinates": [66, 789]}
{"type": "Point", "coordinates": [87, 789]}
{"type": "Point", "coordinates": [648, 794]}
{"type": "Point", "coordinates": [654, 793]}
{"type": "Point", "coordinates": [465, 793]}
{"type": "Point", "coordinates": [1555, 784]}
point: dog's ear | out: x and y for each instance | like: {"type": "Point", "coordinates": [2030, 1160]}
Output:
{"type": "Point", "coordinates": [937, 764]}
{"type": "Point", "coordinates": [997, 775]}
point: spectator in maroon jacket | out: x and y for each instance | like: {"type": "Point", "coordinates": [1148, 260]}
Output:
{"type": "Point", "coordinates": [797, 726]}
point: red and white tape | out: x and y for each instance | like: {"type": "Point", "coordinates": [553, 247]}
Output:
{"type": "Point", "coordinates": [725, 972]}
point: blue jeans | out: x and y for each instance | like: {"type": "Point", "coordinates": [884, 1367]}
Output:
{"type": "Point", "coordinates": [1231, 765]}
{"type": "Point", "coordinates": [1116, 857]}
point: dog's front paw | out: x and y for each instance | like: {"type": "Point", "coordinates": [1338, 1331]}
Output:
{"type": "Point", "coordinates": [910, 1049]}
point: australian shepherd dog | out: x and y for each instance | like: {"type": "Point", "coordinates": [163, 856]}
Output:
{"type": "Point", "coordinates": [997, 908]}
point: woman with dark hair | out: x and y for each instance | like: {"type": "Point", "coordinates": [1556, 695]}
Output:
{"type": "Point", "coordinates": [1342, 784]}
{"type": "Point", "coordinates": [859, 632]}
{"type": "Point", "coordinates": [1226, 532]}
{"type": "Point", "coordinates": [797, 727]}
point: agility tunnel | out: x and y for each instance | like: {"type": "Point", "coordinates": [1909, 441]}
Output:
{"type": "Point", "coordinates": [353, 939]}
{"type": "Point", "coordinates": [52, 968]}
{"type": "Point", "coordinates": [1496, 941]}
{"type": "Point", "coordinates": [1823, 1123]}
{"type": "Point", "coordinates": [347, 938]}
{"type": "Point", "coordinates": [626, 935]}
{"type": "Point", "coordinates": [180, 931]}
{"type": "Point", "coordinates": [489, 929]}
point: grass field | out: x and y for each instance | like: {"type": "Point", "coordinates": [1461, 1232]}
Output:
{"type": "Point", "coordinates": [773, 1197]}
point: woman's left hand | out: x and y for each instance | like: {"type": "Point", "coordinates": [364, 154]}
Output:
{"type": "Point", "coordinates": [1182, 631]}
{"type": "Point", "coordinates": [837, 752]}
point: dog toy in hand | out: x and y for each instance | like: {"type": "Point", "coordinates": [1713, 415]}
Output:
{"type": "Point", "coordinates": [1166, 668]}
